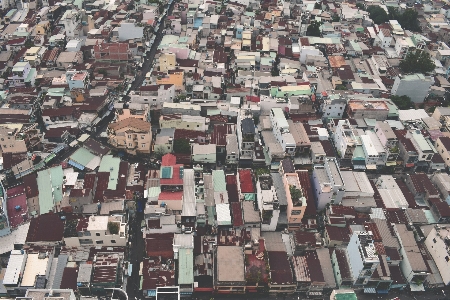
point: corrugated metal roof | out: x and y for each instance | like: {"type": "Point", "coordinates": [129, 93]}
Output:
{"type": "Point", "coordinates": [15, 264]}
{"type": "Point", "coordinates": [219, 181]}
{"type": "Point", "coordinates": [84, 273]}
{"type": "Point", "coordinates": [111, 165]}
{"type": "Point", "coordinates": [189, 193]}
{"type": "Point", "coordinates": [62, 263]}
{"type": "Point", "coordinates": [223, 214]}
{"type": "Point", "coordinates": [186, 266]}
{"type": "Point", "coordinates": [82, 156]}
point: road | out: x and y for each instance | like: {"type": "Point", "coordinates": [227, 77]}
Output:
{"type": "Point", "coordinates": [136, 250]}
{"type": "Point", "coordinates": [151, 55]}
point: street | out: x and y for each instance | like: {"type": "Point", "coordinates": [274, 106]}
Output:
{"type": "Point", "coordinates": [136, 249]}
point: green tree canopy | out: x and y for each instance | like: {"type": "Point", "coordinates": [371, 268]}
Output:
{"type": "Point", "coordinates": [113, 227]}
{"type": "Point", "coordinates": [402, 102]}
{"type": "Point", "coordinates": [318, 5]}
{"type": "Point", "coordinates": [408, 19]}
{"type": "Point", "coordinates": [181, 146]}
{"type": "Point", "coordinates": [378, 14]}
{"type": "Point", "coordinates": [417, 62]}
{"type": "Point", "coordinates": [313, 29]}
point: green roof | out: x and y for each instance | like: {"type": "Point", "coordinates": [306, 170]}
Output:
{"type": "Point", "coordinates": [345, 296]}
{"type": "Point", "coordinates": [185, 266]}
{"type": "Point", "coordinates": [219, 181]}
{"type": "Point", "coordinates": [57, 175]}
{"type": "Point", "coordinates": [50, 188]}
{"type": "Point", "coordinates": [110, 164]}
{"type": "Point", "coordinates": [82, 156]}
{"type": "Point", "coordinates": [56, 92]}
{"type": "Point", "coordinates": [30, 75]}
{"type": "Point", "coordinates": [358, 154]}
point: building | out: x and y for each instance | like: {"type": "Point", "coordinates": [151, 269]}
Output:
{"type": "Point", "coordinates": [204, 154]}
{"type": "Point", "coordinates": [22, 75]}
{"type": "Point", "coordinates": [328, 184]}
{"type": "Point", "coordinates": [128, 30]}
{"type": "Point", "coordinates": [246, 139]}
{"type": "Point", "coordinates": [345, 139]}
{"type": "Point", "coordinates": [296, 200]}
{"type": "Point", "coordinates": [188, 122]}
{"type": "Point", "coordinates": [437, 243]}
{"type": "Point", "coordinates": [281, 131]}
{"type": "Point", "coordinates": [415, 86]}
{"type": "Point", "coordinates": [105, 231]}
{"type": "Point", "coordinates": [390, 193]}
{"type": "Point", "coordinates": [374, 151]}
{"type": "Point", "coordinates": [229, 277]}
{"type": "Point", "coordinates": [77, 79]}
{"type": "Point", "coordinates": [373, 109]}
{"type": "Point", "coordinates": [363, 260]}
{"type": "Point", "coordinates": [413, 266]}
{"type": "Point", "coordinates": [268, 203]}
{"type": "Point", "coordinates": [131, 135]}
{"type": "Point", "coordinates": [443, 148]}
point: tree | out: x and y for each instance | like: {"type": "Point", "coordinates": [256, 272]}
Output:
{"type": "Point", "coordinates": [313, 29]}
{"type": "Point", "coordinates": [360, 6]}
{"type": "Point", "coordinates": [159, 152]}
{"type": "Point", "coordinates": [296, 194]}
{"type": "Point", "coordinates": [181, 146]}
{"type": "Point", "coordinates": [318, 5]}
{"type": "Point", "coordinates": [113, 227]}
{"type": "Point", "coordinates": [417, 62]}
{"type": "Point", "coordinates": [408, 19]}
{"type": "Point", "coordinates": [402, 102]}
{"type": "Point", "coordinates": [378, 14]}
{"type": "Point", "coordinates": [336, 18]}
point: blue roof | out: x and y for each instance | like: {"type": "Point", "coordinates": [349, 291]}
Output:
{"type": "Point", "coordinates": [166, 172]}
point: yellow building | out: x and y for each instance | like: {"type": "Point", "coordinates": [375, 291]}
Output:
{"type": "Point", "coordinates": [42, 28]}
{"type": "Point", "coordinates": [131, 135]}
{"type": "Point", "coordinates": [167, 62]}
{"type": "Point", "coordinates": [175, 78]}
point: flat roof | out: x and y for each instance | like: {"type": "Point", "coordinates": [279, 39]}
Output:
{"type": "Point", "coordinates": [185, 266]}
{"type": "Point", "coordinates": [14, 269]}
{"type": "Point", "coordinates": [230, 264]}
{"type": "Point", "coordinates": [35, 266]}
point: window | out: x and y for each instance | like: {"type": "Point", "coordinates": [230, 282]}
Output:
{"type": "Point", "coordinates": [129, 145]}
{"type": "Point", "coordinates": [113, 241]}
{"type": "Point", "coordinates": [142, 137]}
{"type": "Point", "coordinates": [129, 136]}
{"type": "Point", "coordinates": [198, 126]}
{"type": "Point", "coordinates": [97, 234]}
{"type": "Point", "coordinates": [99, 242]}
{"type": "Point", "coordinates": [187, 126]}
{"type": "Point", "coordinates": [143, 145]}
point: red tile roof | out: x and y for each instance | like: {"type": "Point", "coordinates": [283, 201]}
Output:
{"type": "Point", "coordinates": [165, 196]}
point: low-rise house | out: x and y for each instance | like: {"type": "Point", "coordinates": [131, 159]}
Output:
{"type": "Point", "coordinates": [443, 148]}
{"type": "Point", "coordinates": [204, 154]}
{"type": "Point", "coordinates": [328, 183]}
{"type": "Point", "coordinates": [442, 182]}
{"type": "Point", "coordinates": [229, 270]}
{"type": "Point", "coordinates": [179, 121]}
{"type": "Point", "coordinates": [437, 246]}
{"type": "Point", "coordinates": [413, 265]}
{"type": "Point", "coordinates": [422, 187]}
{"type": "Point", "coordinates": [68, 60]}
{"type": "Point", "coordinates": [108, 231]}
{"type": "Point", "coordinates": [131, 135]}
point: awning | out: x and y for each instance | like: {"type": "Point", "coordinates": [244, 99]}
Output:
{"type": "Point", "coordinates": [370, 291]}
{"type": "Point", "coordinates": [76, 165]}
{"type": "Point", "coordinates": [371, 167]}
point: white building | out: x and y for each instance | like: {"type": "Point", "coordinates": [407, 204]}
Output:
{"type": "Point", "coordinates": [268, 203]}
{"type": "Point", "coordinates": [96, 231]}
{"type": "Point", "coordinates": [129, 31]}
{"type": "Point", "coordinates": [414, 86]}
{"type": "Point", "coordinates": [373, 150]}
{"type": "Point", "coordinates": [390, 192]}
{"type": "Point", "coordinates": [385, 36]}
{"type": "Point", "coordinates": [345, 139]}
{"type": "Point", "coordinates": [280, 128]}
{"type": "Point", "coordinates": [328, 184]}
{"type": "Point", "coordinates": [362, 256]}
{"type": "Point", "coordinates": [308, 51]}
{"type": "Point", "coordinates": [437, 243]}
{"type": "Point", "coordinates": [334, 107]}
{"type": "Point", "coordinates": [357, 185]}
{"type": "Point", "coordinates": [71, 21]}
